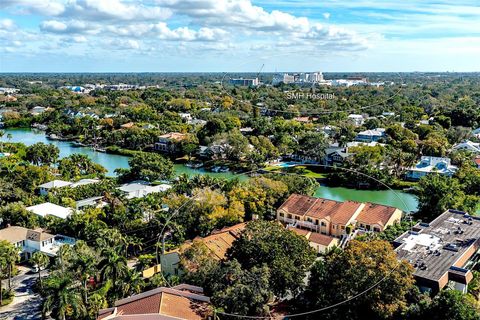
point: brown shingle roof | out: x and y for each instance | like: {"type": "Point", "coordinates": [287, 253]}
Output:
{"type": "Point", "coordinates": [375, 213]}
{"type": "Point", "coordinates": [220, 240]}
{"type": "Point", "coordinates": [15, 234]}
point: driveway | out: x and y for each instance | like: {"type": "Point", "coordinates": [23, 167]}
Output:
{"type": "Point", "coordinates": [26, 304]}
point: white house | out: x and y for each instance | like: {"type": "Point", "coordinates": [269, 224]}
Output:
{"type": "Point", "coordinates": [357, 119]}
{"type": "Point", "coordinates": [371, 135]}
{"type": "Point", "coordinates": [83, 182]}
{"type": "Point", "coordinates": [50, 209]}
{"type": "Point", "coordinates": [468, 145]}
{"type": "Point", "coordinates": [429, 165]}
{"type": "Point", "coordinates": [141, 189]}
{"type": "Point", "coordinates": [45, 188]}
{"type": "Point", "coordinates": [30, 241]}
{"type": "Point", "coordinates": [37, 110]}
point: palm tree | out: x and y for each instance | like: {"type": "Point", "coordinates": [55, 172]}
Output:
{"type": "Point", "coordinates": [133, 283]}
{"type": "Point", "coordinates": [113, 267]}
{"type": "Point", "coordinates": [41, 260]}
{"type": "Point", "coordinates": [62, 298]}
{"type": "Point", "coordinates": [84, 265]}
{"type": "Point", "coordinates": [12, 256]}
{"type": "Point", "coordinates": [9, 137]}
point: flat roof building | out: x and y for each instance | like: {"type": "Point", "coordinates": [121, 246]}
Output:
{"type": "Point", "coordinates": [442, 251]}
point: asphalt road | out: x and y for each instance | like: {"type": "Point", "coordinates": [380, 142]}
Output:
{"type": "Point", "coordinates": [26, 304]}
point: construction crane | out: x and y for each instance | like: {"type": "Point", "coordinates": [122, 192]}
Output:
{"type": "Point", "coordinates": [258, 73]}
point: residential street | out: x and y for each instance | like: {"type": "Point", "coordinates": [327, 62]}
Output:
{"type": "Point", "coordinates": [26, 304]}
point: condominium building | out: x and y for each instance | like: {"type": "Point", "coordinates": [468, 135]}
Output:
{"type": "Point", "coordinates": [336, 219]}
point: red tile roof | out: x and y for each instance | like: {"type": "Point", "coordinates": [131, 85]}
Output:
{"type": "Point", "coordinates": [318, 208]}
{"type": "Point", "coordinates": [169, 302]}
{"type": "Point", "coordinates": [375, 213]}
{"type": "Point", "coordinates": [314, 236]}
{"type": "Point", "coordinates": [344, 212]}
{"type": "Point", "coordinates": [321, 239]}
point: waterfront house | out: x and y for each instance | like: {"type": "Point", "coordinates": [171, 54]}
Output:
{"type": "Point", "coordinates": [371, 135]}
{"type": "Point", "coordinates": [442, 252]}
{"type": "Point", "coordinates": [217, 242]}
{"type": "Point", "coordinates": [181, 302]}
{"type": "Point", "coordinates": [428, 165]}
{"type": "Point", "coordinates": [336, 219]}
{"type": "Point", "coordinates": [477, 162]}
{"type": "Point", "coordinates": [468, 145]}
{"type": "Point", "coordinates": [167, 143]}
{"type": "Point", "coordinates": [30, 241]}
{"type": "Point", "coordinates": [140, 189]}
{"type": "Point", "coordinates": [50, 209]}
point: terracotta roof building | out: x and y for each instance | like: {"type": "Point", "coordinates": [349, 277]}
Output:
{"type": "Point", "coordinates": [168, 142]}
{"type": "Point", "coordinates": [331, 218]}
{"type": "Point", "coordinates": [218, 243]}
{"type": "Point", "coordinates": [179, 302]}
{"type": "Point", "coordinates": [319, 242]}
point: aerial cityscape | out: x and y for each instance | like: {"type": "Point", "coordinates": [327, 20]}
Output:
{"type": "Point", "coordinates": [239, 159]}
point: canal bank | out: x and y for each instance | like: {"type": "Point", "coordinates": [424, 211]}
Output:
{"type": "Point", "coordinates": [395, 198]}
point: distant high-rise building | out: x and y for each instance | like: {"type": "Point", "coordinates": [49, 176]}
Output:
{"type": "Point", "coordinates": [244, 82]}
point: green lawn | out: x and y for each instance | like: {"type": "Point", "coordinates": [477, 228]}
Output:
{"type": "Point", "coordinates": [301, 170]}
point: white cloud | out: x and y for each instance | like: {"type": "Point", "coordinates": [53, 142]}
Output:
{"type": "Point", "coordinates": [42, 7]}
{"type": "Point", "coordinates": [326, 15]}
{"type": "Point", "coordinates": [114, 10]}
{"type": "Point", "coordinates": [162, 31]}
{"type": "Point", "coordinates": [7, 24]}
{"type": "Point", "coordinates": [73, 26]}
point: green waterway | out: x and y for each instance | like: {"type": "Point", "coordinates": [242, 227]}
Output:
{"type": "Point", "coordinates": [399, 199]}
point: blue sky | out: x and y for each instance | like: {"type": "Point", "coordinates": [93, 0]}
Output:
{"type": "Point", "coordinates": [238, 35]}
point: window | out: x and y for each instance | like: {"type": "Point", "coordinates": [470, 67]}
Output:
{"type": "Point", "coordinates": [289, 216]}
{"type": "Point", "coordinates": [316, 222]}
{"type": "Point", "coordinates": [324, 224]}
{"type": "Point", "coordinates": [376, 229]}
{"type": "Point", "coordinates": [342, 227]}
{"type": "Point", "coordinates": [281, 214]}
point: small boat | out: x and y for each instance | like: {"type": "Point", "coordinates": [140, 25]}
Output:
{"type": "Point", "coordinates": [224, 169]}
{"type": "Point", "coordinates": [99, 149]}
{"type": "Point", "coordinates": [216, 169]}
{"type": "Point", "coordinates": [53, 136]}
{"type": "Point", "coordinates": [194, 165]}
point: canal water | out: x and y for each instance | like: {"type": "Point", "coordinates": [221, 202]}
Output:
{"type": "Point", "coordinates": [394, 198]}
